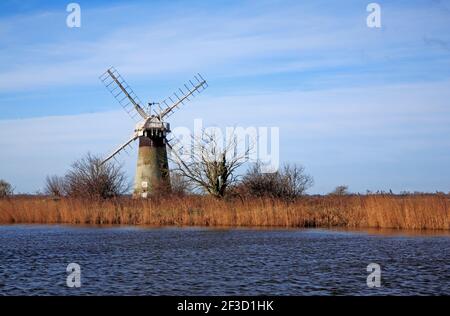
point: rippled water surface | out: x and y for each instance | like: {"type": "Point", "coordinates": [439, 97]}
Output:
{"type": "Point", "coordinates": [194, 261]}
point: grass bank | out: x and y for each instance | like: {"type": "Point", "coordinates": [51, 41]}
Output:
{"type": "Point", "coordinates": [365, 211]}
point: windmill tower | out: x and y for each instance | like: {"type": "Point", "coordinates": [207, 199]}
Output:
{"type": "Point", "coordinates": [152, 170]}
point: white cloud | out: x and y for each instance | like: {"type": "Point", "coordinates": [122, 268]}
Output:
{"type": "Point", "coordinates": [231, 42]}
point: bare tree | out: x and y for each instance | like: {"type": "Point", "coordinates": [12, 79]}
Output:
{"type": "Point", "coordinates": [6, 189]}
{"type": "Point", "coordinates": [88, 177]}
{"type": "Point", "coordinates": [288, 183]}
{"type": "Point", "coordinates": [294, 180]}
{"type": "Point", "coordinates": [212, 165]}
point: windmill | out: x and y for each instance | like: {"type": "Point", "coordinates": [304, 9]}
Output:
{"type": "Point", "coordinates": [152, 168]}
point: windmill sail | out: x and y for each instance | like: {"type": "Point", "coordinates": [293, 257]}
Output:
{"type": "Point", "coordinates": [120, 148]}
{"type": "Point", "coordinates": [177, 99]}
{"type": "Point", "coordinates": [123, 93]}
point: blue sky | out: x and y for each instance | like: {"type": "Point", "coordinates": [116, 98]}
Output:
{"type": "Point", "coordinates": [355, 105]}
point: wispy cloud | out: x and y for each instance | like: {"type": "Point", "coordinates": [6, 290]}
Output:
{"type": "Point", "coordinates": [234, 41]}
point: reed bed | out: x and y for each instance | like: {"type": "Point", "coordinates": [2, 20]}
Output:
{"type": "Point", "coordinates": [370, 211]}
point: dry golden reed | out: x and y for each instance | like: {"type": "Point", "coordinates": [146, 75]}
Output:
{"type": "Point", "coordinates": [377, 211]}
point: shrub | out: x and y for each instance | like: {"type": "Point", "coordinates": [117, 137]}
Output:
{"type": "Point", "coordinates": [55, 186]}
{"type": "Point", "coordinates": [288, 183]}
{"type": "Point", "coordinates": [6, 189]}
{"type": "Point", "coordinates": [340, 190]}
{"type": "Point", "coordinates": [89, 177]}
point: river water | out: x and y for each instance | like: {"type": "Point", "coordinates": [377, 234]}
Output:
{"type": "Point", "coordinates": [200, 261]}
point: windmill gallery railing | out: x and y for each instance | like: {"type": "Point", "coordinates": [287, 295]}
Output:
{"type": "Point", "coordinates": [158, 125]}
